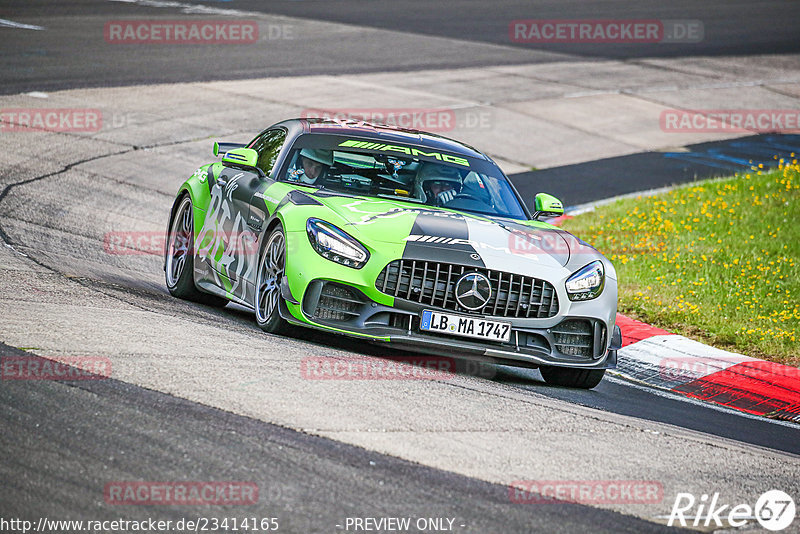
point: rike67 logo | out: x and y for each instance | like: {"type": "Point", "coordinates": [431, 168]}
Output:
{"type": "Point", "coordinates": [774, 510]}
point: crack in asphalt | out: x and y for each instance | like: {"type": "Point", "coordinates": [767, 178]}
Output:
{"type": "Point", "coordinates": [7, 189]}
{"type": "Point", "coordinates": [11, 244]}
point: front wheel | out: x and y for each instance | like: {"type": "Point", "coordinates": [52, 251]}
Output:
{"type": "Point", "coordinates": [271, 270]}
{"type": "Point", "coordinates": [572, 378]}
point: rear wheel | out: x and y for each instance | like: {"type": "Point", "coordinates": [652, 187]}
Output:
{"type": "Point", "coordinates": [180, 258]}
{"type": "Point", "coordinates": [271, 270]}
{"type": "Point", "coordinates": [572, 378]}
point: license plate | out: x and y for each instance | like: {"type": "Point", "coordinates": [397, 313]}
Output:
{"type": "Point", "coordinates": [460, 325]}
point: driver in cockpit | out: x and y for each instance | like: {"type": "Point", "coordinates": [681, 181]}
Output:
{"type": "Point", "coordinates": [311, 166]}
{"type": "Point", "coordinates": [438, 183]}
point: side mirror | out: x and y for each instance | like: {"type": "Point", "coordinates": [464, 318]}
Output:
{"type": "Point", "coordinates": [243, 158]}
{"type": "Point", "coordinates": [221, 148]}
{"type": "Point", "coordinates": [548, 205]}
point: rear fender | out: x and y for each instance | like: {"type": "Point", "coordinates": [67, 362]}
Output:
{"type": "Point", "coordinates": [198, 187]}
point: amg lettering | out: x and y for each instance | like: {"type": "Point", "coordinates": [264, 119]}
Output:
{"type": "Point", "coordinates": [417, 152]}
{"type": "Point", "coordinates": [395, 148]}
{"type": "Point", "coordinates": [456, 160]}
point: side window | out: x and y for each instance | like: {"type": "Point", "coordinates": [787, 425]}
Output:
{"type": "Point", "coordinates": [268, 147]}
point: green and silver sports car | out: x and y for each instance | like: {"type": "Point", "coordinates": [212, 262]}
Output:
{"type": "Point", "coordinates": [397, 236]}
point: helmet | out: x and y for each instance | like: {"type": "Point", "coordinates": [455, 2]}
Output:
{"type": "Point", "coordinates": [319, 155]}
{"type": "Point", "coordinates": [431, 174]}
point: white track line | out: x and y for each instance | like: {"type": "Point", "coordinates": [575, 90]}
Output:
{"type": "Point", "coordinates": [19, 25]}
{"type": "Point", "coordinates": [190, 9]}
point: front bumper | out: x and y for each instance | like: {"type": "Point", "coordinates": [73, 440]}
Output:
{"type": "Point", "coordinates": [576, 341]}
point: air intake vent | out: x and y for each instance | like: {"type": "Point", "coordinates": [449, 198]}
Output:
{"type": "Point", "coordinates": [574, 337]}
{"type": "Point", "coordinates": [337, 302]}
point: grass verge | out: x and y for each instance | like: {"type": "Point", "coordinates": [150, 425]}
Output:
{"type": "Point", "coordinates": [716, 260]}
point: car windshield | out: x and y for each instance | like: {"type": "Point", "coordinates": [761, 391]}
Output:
{"type": "Point", "coordinates": [434, 179]}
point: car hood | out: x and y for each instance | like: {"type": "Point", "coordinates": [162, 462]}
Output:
{"type": "Point", "coordinates": [453, 237]}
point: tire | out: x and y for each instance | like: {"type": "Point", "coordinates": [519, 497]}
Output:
{"type": "Point", "coordinates": [180, 258]}
{"type": "Point", "coordinates": [572, 378]}
{"type": "Point", "coordinates": [271, 270]}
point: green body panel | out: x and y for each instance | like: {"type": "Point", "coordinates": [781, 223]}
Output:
{"type": "Point", "coordinates": [307, 265]}
{"type": "Point", "coordinates": [548, 204]}
{"type": "Point", "coordinates": [381, 225]}
{"type": "Point", "coordinates": [246, 157]}
{"type": "Point", "coordinates": [197, 188]}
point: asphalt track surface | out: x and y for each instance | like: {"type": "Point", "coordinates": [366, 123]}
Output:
{"type": "Point", "coordinates": [66, 439]}
{"type": "Point", "coordinates": [625, 175]}
{"type": "Point", "coordinates": [770, 26]}
{"type": "Point", "coordinates": [309, 484]}
{"type": "Point", "coordinates": [385, 36]}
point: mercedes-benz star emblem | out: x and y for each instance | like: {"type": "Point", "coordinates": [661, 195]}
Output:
{"type": "Point", "coordinates": [473, 291]}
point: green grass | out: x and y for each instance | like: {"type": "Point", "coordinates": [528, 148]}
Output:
{"type": "Point", "coordinates": [716, 260]}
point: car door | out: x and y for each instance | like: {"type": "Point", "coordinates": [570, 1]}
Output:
{"type": "Point", "coordinates": [250, 209]}
{"type": "Point", "coordinates": [228, 241]}
{"type": "Point", "coordinates": [222, 237]}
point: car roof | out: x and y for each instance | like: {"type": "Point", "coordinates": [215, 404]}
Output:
{"type": "Point", "coordinates": [384, 133]}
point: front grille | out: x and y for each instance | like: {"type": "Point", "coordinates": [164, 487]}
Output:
{"type": "Point", "coordinates": [574, 337]}
{"type": "Point", "coordinates": [433, 283]}
{"type": "Point", "coordinates": [337, 302]}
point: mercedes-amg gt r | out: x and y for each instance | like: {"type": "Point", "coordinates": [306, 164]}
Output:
{"type": "Point", "coordinates": [395, 236]}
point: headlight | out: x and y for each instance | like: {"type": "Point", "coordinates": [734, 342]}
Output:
{"type": "Point", "coordinates": [587, 282]}
{"type": "Point", "coordinates": [334, 244]}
